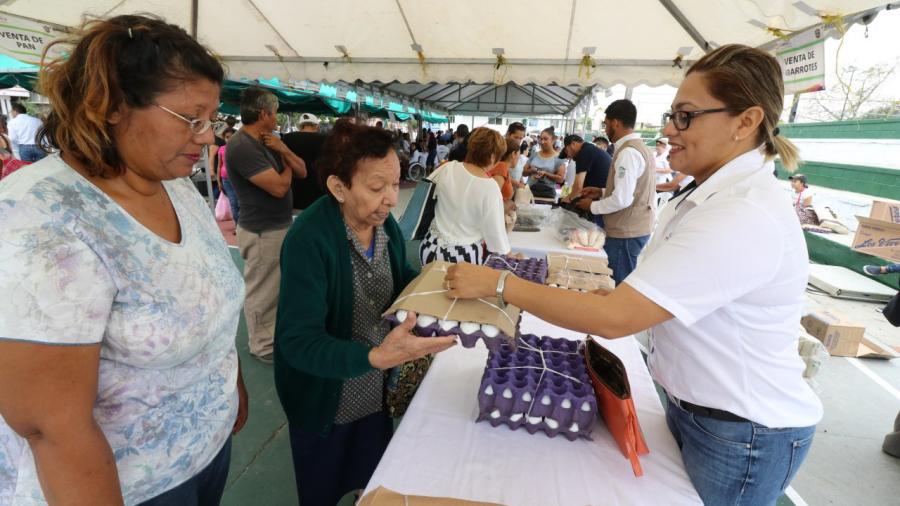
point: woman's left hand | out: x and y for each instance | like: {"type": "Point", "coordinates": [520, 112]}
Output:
{"type": "Point", "coordinates": [243, 411]}
{"type": "Point", "coordinates": [467, 281]}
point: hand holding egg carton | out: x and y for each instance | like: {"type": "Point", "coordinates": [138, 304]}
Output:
{"type": "Point", "coordinates": [439, 315]}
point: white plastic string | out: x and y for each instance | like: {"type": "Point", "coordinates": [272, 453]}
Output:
{"type": "Point", "coordinates": [512, 267]}
{"type": "Point", "coordinates": [502, 311]}
{"type": "Point", "coordinates": [543, 369]}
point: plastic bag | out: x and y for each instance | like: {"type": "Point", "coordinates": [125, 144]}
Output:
{"type": "Point", "coordinates": [223, 208]}
{"type": "Point", "coordinates": [578, 233]}
{"type": "Point", "coordinates": [532, 215]}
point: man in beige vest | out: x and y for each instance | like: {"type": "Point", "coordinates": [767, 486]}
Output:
{"type": "Point", "coordinates": [628, 202]}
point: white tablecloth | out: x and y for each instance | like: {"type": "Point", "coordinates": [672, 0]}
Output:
{"type": "Point", "coordinates": [538, 244]}
{"type": "Point", "coordinates": [439, 450]}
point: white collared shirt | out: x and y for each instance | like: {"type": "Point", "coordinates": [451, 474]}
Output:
{"type": "Point", "coordinates": [737, 297]}
{"type": "Point", "coordinates": [630, 166]}
{"type": "Point", "coordinates": [23, 129]}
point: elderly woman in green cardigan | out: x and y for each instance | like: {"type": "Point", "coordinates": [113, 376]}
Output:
{"type": "Point", "coordinates": [343, 262]}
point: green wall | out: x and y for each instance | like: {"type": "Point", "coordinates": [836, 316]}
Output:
{"type": "Point", "coordinates": [874, 181]}
{"type": "Point", "coordinates": [827, 252]}
{"type": "Point", "coordinates": [857, 129]}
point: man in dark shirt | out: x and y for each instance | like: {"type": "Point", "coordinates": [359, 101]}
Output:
{"type": "Point", "coordinates": [306, 143]}
{"type": "Point", "coordinates": [260, 167]}
{"type": "Point", "coordinates": [591, 163]}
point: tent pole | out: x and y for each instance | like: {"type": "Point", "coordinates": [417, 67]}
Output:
{"type": "Point", "coordinates": [794, 105]}
{"type": "Point", "coordinates": [194, 11]}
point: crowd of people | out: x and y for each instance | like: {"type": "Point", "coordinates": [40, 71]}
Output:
{"type": "Point", "coordinates": [122, 379]}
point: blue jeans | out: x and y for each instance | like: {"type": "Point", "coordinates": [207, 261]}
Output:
{"type": "Point", "coordinates": [232, 198]}
{"type": "Point", "coordinates": [738, 463]}
{"type": "Point", "coordinates": [204, 489]}
{"type": "Point", "coordinates": [30, 153]}
{"type": "Point", "coordinates": [623, 255]}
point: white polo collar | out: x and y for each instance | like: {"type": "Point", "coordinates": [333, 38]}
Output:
{"type": "Point", "coordinates": [738, 169]}
{"type": "Point", "coordinates": [630, 137]}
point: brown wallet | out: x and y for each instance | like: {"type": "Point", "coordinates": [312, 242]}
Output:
{"type": "Point", "coordinates": [613, 392]}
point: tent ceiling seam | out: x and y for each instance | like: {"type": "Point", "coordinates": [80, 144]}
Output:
{"type": "Point", "coordinates": [686, 24]}
{"type": "Point", "coordinates": [571, 26]}
{"type": "Point", "coordinates": [452, 61]}
{"type": "Point", "coordinates": [412, 37]}
{"type": "Point", "coordinates": [266, 19]}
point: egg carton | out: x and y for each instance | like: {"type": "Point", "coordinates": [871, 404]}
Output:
{"type": "Point", "coordinates": [531, 269]}
{"type": "Point", "coordinates": [468, 332]}
{"type": "Point", "coordinates": [543, 385]}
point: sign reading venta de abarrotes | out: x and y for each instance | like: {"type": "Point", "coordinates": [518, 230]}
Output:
{"type": "Point", "coordinates": [802, 60]}
{"type": "Point", "coordinates": [25, 40]}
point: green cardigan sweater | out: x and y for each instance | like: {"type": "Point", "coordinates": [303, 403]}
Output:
{"type": "Point", "coordinates": [314, 352]}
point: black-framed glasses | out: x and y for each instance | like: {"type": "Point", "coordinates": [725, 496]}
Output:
{"type": "Point", "coordinates": [198, 125]}
{"type": "Point", "coordinates": [682, 119]}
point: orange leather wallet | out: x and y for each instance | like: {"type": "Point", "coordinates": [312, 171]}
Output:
{"type": "Point", "coordinates": [613, 392]}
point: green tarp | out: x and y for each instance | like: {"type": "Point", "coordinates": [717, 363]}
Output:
{"type": "Point", "coordinates": [325, 101]}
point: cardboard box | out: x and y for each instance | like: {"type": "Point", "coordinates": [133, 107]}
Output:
{"type": "Point", "coordinates": [878, 237]}
{"type": "Point", "coordinates": [574, 280]}
{"type": "Point", "coordinates": [842, 337]}
{"type": "Point", "coordinates": [885, 210]}
{"type": "Point", "coordinates": [580, 263]}
{"type": "Point", "coordinates": [386, 497]}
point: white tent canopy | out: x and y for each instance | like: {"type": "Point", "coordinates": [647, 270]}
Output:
{"type": "Point", "coordinates": [574, 43]}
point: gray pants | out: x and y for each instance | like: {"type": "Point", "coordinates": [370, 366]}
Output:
{"type": "Point", "coordinates": [262, 276]}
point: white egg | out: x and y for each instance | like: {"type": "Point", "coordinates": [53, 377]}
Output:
{"type": "Point", "coordinates": [534, 420]}
{"type": "Point", "coordinates": [447, 325]}
{"type": "Point", "coordinates": [490, 330]}
{"type": "Point", "coordinates": [469, 327]}
{"type": "Point", "coordinates": [526, 397]}
{"type": "Point", "coordinates": [566, 403]}
{"type": "Point", "coordinates": [554, 285]}
{"type": "Point", "coordinates": [516, 417]}
{"type": "Point", "coordinates": [553, 424]}
{"type": "Point", "coordinates": [507, 394]}
{"type": "Point", "coordinates": [545, 400]}
{"type": "Point", "coordinates": [574, 427]}
{"type": "Point", "coordinates": [489, 390]}
{"type": "Point", "coordinates": [424, 320]}
{"type": "Point", "coordinates": [586, 406]}
{"type": "Point", "coordinates": [401, 315]}
{"type": "Point", "coordinates": [495, 413]}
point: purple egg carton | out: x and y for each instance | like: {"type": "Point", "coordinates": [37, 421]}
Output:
{"type": "Point", "coordinates": [468, 332]}
{"type": "Point", "coordinates": [543, 385]}
{"type": "Point", "coordinates": [531, 269]}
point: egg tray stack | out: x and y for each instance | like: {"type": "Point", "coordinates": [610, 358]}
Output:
{"type": "Point", "coordinates": [530, 269]}
{"type": "Point", "coordinates": [542, 385]}
{"type": "Point", "coordinates": [469, 332]}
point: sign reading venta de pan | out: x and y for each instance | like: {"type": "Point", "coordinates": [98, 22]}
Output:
{"type": "Point", "coordinates": [802, 62]}
{"type": "Point", "coordinates": [24, 39]}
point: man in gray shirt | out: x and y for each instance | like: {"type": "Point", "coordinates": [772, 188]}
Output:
{"type": "Point", "coordinates": [260, 168]}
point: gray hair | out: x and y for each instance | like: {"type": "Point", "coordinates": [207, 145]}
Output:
{"type": "Point", "coordinates": [254, 101]}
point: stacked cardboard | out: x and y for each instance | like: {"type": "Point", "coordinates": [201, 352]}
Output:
{"type": "Point", "coordinates": [578, 272]}
{"type": "Point", "coordinates": [879, 234]}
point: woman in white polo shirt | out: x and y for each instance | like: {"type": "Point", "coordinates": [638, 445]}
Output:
{"type": "Point", "coordinates": [724, 330]}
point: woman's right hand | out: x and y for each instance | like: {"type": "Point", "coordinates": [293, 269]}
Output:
{"type": "Point", "coordinates": [400, 346]}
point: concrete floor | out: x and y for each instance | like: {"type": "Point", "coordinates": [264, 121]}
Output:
{"type": "Point", "coordinates": [845, 465]}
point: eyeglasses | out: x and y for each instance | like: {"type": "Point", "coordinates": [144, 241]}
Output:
{"type": "Point", "coordinates": [198, 126]}
{"type": "Point", "coordinates": [682, 119]}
